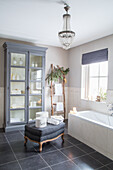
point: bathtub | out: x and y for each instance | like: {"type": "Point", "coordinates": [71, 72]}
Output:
{"type": "Point", "coordinates": [94, 129]}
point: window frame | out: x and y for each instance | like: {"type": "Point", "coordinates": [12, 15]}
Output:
{"type": "Point", "coordinates": [87, 81]}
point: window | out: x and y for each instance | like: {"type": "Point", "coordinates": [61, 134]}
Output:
{"type": "Point", "coordinates": [94, 81]}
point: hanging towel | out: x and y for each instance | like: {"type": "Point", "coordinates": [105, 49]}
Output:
{"type": "Point", "coordinates": [59, 106]}
{"type": "Point", "coordinates": [58, 89]}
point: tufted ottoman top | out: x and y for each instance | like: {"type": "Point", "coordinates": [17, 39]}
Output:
{"type": "Point", "coordinates": [45, 130]}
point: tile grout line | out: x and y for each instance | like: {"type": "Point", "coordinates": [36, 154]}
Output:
{"type": "Point", "coordinates": [8, 163]}
{"type": "Point", "coordinates": [88, 153]}
{"type": "Point", "coordinates": [45, 162]}
{"type": "Point", "coordinates": [67, 157]}
{"type": "Point", "coordinates": [13, 153]}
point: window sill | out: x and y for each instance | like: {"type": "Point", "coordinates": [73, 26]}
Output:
{"type": "Point", "coordinates": [93, 101]}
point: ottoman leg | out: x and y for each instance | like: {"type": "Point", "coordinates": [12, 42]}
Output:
{"type": "Point", "coordinates": [63, 138]}
{"type": "Point", "coordinates": [25, 141]}
{"type": "Point", "coordinates": [40, 147]}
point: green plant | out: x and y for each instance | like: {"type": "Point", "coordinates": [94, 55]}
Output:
{"type": "Point", "coordinates": [103, 95]}
{"type": "Point", "coordinates": [57, 74]}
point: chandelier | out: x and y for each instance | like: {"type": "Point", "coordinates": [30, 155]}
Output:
{"type": "Point", "coordinates": [66, 36]}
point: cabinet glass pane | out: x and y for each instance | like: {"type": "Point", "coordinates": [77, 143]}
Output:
{"type": "Point", "coordinates": [35, 101]}
{"type": "Point", "coordinates": [35, 88]}
{"type": "Point", "coordinates": [35, 74]}
{"type": "Point", "coordinates": [17, 88]}
{"type": "Point", "coordinates": [17, 59]}
{"type": "Point", "coordinates": [17, 102]}
{"type": "Point", "coordinates": [17, 116]}
{"type": "Point", "coordinates": [35, 61]}
{"type": "Point", "coordinates": [17, 74]}
{"type": "Point", "coordinates": [32, 113]}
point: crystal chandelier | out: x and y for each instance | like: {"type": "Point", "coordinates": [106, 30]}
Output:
{"type": "Point", "coordinates": [66, 36]}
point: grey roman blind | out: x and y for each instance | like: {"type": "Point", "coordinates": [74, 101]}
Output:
{"type": "Point", "coordinates": [95, 56]}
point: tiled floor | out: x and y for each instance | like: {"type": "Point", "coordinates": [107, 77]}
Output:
{"type": "Point", "coordinates": [71, 155]}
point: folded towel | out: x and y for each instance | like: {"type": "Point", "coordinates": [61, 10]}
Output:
{"type": "Point", "coordinates": [59, 106]}
{"type": "Point", "coordinates": [58, 89]}
{"type": "Point", "coordinates": [53, 121]}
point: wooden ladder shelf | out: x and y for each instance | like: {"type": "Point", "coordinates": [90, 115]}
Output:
{"type": "Point", "coordinates": [63, 86]}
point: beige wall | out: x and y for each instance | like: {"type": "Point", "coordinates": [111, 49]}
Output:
{"type": "Point", "coordinates": [74, 58]}
{"type": "Point", "coordinates": [54, 55]}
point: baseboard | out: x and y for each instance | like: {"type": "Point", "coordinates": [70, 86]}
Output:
{"type": "Point", "coordinates": [1, 130]}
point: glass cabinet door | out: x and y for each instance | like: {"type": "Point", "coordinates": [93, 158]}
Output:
{"type": "Point", "coordinates": [17, 87]}
{"type": "Point", "coordinates": [35, 85]}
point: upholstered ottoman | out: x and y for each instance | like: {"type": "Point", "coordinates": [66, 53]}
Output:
{"type": "Point", "coordinates": [43, 135]}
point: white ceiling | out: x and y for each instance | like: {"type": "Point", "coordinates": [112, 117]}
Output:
{"type": "Point", "coordinates": [39, 21]}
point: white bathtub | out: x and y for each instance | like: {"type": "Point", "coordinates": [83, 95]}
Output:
{"type": "Point", "coordinates": [94, 129]}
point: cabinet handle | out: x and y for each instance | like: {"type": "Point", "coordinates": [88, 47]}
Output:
{"type": "Point", "coordinates": [28, 87]}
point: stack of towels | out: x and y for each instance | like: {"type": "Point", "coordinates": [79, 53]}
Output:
{"type": "Point", "coordinates": [55, 120]}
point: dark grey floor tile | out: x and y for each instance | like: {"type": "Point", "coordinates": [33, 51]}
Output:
{"type": "Point", "coordinates": [32, 163]}
{"type": "Point", "coordinates": [46, 147]}
{"type": "Point", "coordinates": [14, 136]}
{"type": "Point", "coordinates": [110, 166]}
{"type": "Point", "coordinates": [21, 151]}
{"type": "Point", "coordinates": [6, 156]}
{"type": "Point", "coordinates": [2, 138]}
{"type": "Point", "coordinates": [10, 166]}
{"type": "Point", "coordinates": [87, 163]}
{"type": "Point", "coordinates": [72, 152]}
{"type": "Point", "coordinates": [4, 147]}
{"type": "Point", "coordinates": [85, 148]}
{"type": "Point", "coordinates": [59, 144]}
{"type": "Point", "coordinates": [103, 168]}
{"type": "Point", "coordinates": [46, 168]}
{"type": "Point", "coordinates": [54, 157]}
{"type": "Point", "coordinates": [68, 165]}
{"type": "Point", "coordinates": [71, 139]}
{"type": "Point", "coordinates": [104, 160]}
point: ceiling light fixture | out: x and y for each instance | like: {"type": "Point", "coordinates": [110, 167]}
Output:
{"type": "Point", "coordinates": [66, 36]}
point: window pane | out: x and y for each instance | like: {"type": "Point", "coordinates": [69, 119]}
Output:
{"type": "Point", "coordinates": [103, 88]}
{"type": "Point", "coordinates": [93, 88]}
{"type": "Point", "coordinates": [94, 69]}
{"type": "Point", "coordinates": [104, 68]}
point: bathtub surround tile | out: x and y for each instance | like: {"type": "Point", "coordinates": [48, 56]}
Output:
{"type": "Point", "coordinates": [100, 136]}
{"type": "Point", "coordinates": [101, 158]}
{"type": "Point", "coordinates": [72, 152]}
{"type": "Point", "coordinates": [68, 165]}
{"type": "Point", "coordinates": [110, 141]}
{"type": "Point", "coordinates": [54, 157]}
{"type": "Point", "coordinates": [87, 162]}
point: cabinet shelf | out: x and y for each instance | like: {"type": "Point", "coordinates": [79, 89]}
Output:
{"type": "Point", "coordinates": [17, 66]}
{"type": "Point", "coordinates": [17, 108]}
{"type": "Point", "coordinates": [17, 80]}
{"type": "Point", "coordinates": [17, 94]}
{"type": "Point", "coordinates": [37, 107]}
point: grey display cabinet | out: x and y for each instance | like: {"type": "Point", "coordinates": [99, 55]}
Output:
{"type": "Point", "coordinates": [24, 84]}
